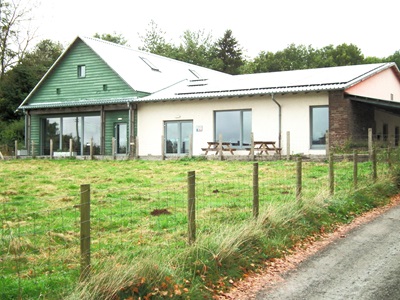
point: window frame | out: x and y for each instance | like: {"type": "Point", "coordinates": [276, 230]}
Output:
{"type": "Point", "coordinates": [312, 145]}
{"type": "Point", "coordinates": [180, 149]}
{"type": "Point", "coordinates": [81, 71]}
{"type": "Point", "coordinates": [242, 144]}
{"type": "Point", "coordinates": [83, 129]}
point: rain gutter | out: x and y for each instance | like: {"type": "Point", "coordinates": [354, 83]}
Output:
{"type": "Point", "coordinates": [280, 120]}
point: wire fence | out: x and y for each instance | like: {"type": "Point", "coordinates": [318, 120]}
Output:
{"type": "Point", "coordinates": [43, 249]}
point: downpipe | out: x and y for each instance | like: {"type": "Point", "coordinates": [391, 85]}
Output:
{"type": "Point", "coordinates": [280, 121]}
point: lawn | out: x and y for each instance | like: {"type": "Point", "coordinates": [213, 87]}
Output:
{"type": "Point", "coordinates": [139, 223]}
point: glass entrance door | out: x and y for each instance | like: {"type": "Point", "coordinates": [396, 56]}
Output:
{"type": "Point", "coordinates": [121, 136]}
{"type": "Point", "coordinates": [177, 136]}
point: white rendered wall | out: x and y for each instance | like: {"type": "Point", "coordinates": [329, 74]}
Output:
{"type": "Point", "coordinates": [265, 120]}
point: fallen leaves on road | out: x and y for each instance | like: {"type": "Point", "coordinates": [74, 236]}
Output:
{"type": "Point", "coordinates": [272, 272]}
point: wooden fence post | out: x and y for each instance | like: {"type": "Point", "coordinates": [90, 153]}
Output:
{"type": "Point", "coordinates": [374, 171]}
{"type": "Point", "coordinates": [190, 145]}
{"type": "Point", "coordinates": [162, 148]}
{"type": "Point", "coordinates": [355, 169]}
{"type": "Point", "coordinates": [298, 178]}
{"type": "Point", "coordinates": [136, 153]}
{"type": "Point", "coordinates": [33, 149]}
{"type": "Point", "coordinates": [220, 147]}
{"type": "Point", "coordinates": [91, 149]}
{"type": "Point", "coordinates": [389, 158]}
{"type": "Point", "coordinates": [131, 147]}
{"type": "Point", "coordinates": [328, 142]}
{"type": "Point", "coordinates": [331, 175]}
{"type": "Point", "coordinates": [252, 146]}
{"type": "Point", "coordinates": [51, 149]}
{"type": "Point", "coordinates": [16, 149]}
{"type": "Point", "coordinates": [85, 231]}
{"type": "Point", "coordinates": [71, 146]}
{"type": "Point", "coordinates": [288, 145]}
{"type": "Point", "coordinates": [113, 148]}
{"type": "Point", "coordinates": [370, 143]}
{"type": "Point", "coordinates": [191, 206]}
{"type": "Point", "coordinates": [256, 202]}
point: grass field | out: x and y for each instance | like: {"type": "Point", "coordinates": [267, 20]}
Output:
{"type": "Point", "coordinates": [139, 239]}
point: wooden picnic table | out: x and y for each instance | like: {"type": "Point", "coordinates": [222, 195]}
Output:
{"type": "Point", "coordinates": [214, 146]}
{"type": "Point", "coordinates": [265, 146]}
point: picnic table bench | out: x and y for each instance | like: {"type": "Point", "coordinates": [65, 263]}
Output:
{"type": "Point", "coordinates": [264, 146]}
{"type": "Point", "coordinates": [214, 146]}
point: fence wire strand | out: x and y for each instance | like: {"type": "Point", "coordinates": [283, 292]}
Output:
{"type": "Point", "coordinates": [38, 241]}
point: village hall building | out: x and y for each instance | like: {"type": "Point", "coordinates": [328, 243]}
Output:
{"type": "Point", "coordinates": [128, 102]}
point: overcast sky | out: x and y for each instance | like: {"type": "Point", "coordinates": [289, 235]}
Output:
{"type": "Point", "coordinates": [257, 24]}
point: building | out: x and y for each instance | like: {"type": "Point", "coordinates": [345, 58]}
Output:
{"type": "Point", "coordinates": [127, 101]}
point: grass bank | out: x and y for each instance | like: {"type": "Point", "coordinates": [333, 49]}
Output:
{"type": "Point", "coordinates": [138, 254]}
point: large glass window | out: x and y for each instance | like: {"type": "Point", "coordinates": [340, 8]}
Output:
{"type": "Point", "coordinates": [81, 129]}
{"type": "Point", "coordinates": [91, 132]}
{"type": "Point", "coordinates": [319, 126]}
{"type": "Point", "coordinates": [52, 130]}
{"type": "Point", "coordinates": [72, 129]}
{"type": "Point", "coordinates": [234, 126]}
{"type": "Point", "coordinates": [177, 136]}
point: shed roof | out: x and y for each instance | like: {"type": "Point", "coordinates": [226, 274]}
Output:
{"type": "Point", "coordinates": [321, 79]}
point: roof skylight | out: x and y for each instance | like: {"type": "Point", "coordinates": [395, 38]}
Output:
{"type": "Point", "coordinates": [150, 64]}
{"type": "Point", "coordinates": [195, 73]}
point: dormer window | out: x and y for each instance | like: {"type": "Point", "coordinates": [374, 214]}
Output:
{"type": "Point", "coordinates": [81, 71]}
{"type": "Point", "coordinates": [150, 64]}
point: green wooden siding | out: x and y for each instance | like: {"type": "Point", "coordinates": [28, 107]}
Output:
{"type": "Point", "coordinates": [112, 118]}
{"type": "Point", "coordinates": [35, 134]}
{"type": "Point", "coordinates": [71, 88]}
{"type": "Point", "coordinates": [64, 77]}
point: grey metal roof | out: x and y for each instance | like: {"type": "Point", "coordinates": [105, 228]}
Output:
{"type": "Point", "coordinates": [74, 103]}
{"type": "Point", "coordinates": [144, 71]}
{"type": "Point", "coordinates": [167, 79]}
{"type": "Point", "coordinates": [322, 79]}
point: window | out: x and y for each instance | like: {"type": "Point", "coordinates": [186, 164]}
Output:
{"type": "Point", "coordinates": [58, 91]}
{"type": "Point", "coordinates": [150, 64]}
{"type": "Point", "coordinates": [319, 126]}
{"type": "Point", "coordinates": [81, 129]}
{"type": "Point", "coordinates": [121, 136]}
{"type": "Point", "coordinates": [385, 132]}
{"type": "Point", "coordinates": [234, 126]}
{"type": "Point", "coordinates": [81, 71]}
{"type": "Point", "coordinates": [105, 87]}
{"type": "Point", "coordinates": [177, 136]}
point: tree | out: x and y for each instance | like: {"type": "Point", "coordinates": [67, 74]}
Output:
{"type": "Point", "coordinates": [113, 38]}
{"type": "Point", "coordinates": [228, 54]}
{"type": "Point", "coordinates": [19, 81]}
{"type": "Point", "coordinates": [196, 49]}
{"type": "Point", "coordinates": [263, 62]}
{"type": "Point", "coordinates": [154, 42]}
{"type": "Point", "coordinates": [15, 32]}
{"type": "Point", "coordinates": [395, 57]}
{"type": "Point", "coordinates": [346, 55]}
